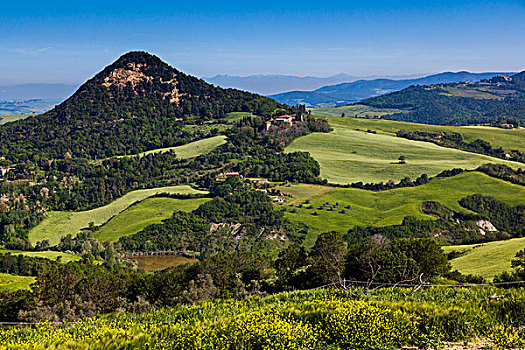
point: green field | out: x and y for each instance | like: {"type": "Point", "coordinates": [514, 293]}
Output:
{"type": "Point", "coordinates": [192, 149]}
{"type": "Point", "coordinates": [360, 111]}
{"type": "Point", "coordinates": [138, 216]}
{"type": "Point", "coordinates": [487, 259]}
{"type": "Point", "coordinates": [161, 262]}
{"type": "Point", "coordinates": [51, 255]}
{"type": "Point", "coordinates": [507, 139]}
{"type": "Point", "coordinates": [235, 116]}
{"type": "Point", "coordinates": [347, 155]}
{"type": "Point", "coordinates": [12, 117]}
{"type": "Point", "coordinates": [11, 283]}
{"type": "Point", "coordinates": [390, 207]}
{"type": "Point", "coordinates": [60, 223]}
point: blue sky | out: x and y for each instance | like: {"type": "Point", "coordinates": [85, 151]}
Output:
{"type": "Point", "coordinates": [69, 41]}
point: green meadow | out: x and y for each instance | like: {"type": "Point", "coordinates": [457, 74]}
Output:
{"type": "Point", "coordinates": [61, 223]}
{"type": "Point", "coordinates": [51, 255]}
{"type": "Point", "coordinates": [507, 139]}
{"type": "Point", "coordinates": [11, 283]}
{"type": "Point", "coordinates": [192, 149]}
{"type": "Point", "coordinates": [487, 259]}
{"type": "Point", "coordinates": [347, 155]}
{"type": "Point", "coordinates": [384, 208]}
{"type": "Point", "coordinates": [147, 212]}
{"type": "Point", "coordinates": [236, 116]}
{"type": "Point", "coordinates": [12, 117]}
{"type": "Point", "coordinates": [356, 111]}
{"type": "Point", "coordinates": [161, 262]}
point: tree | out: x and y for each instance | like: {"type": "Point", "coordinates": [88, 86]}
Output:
{"type": "Point", "coordinates": [327, 259]}
{"type": "Point", "coordinates": [110, 256]}
{"type": "Point", "coordinates": [379, 260]}
{"type": "Point", "coordinates": [288, 263]}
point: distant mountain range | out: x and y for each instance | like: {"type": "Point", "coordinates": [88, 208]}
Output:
{"type": "Point", "coordinates": [274, 84]}
{"type": "Point", "coordinates": [347, 93]}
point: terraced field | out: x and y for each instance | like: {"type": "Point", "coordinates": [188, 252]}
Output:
{"type": "Point", "coordinates": [390, 207]}
{"type": "Point", "coordinates": [347, 155]}
{"type": "Point", "coordinates": [138, 216]}
{"type": "Point", "coordinates": [60, 223]}
{"type": "Point", "coordinates": [487, 259]}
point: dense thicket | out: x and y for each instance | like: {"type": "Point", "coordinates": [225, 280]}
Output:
{"type": "Point", "coordinates": [504, 172]}
{"type": "Point", "coordinates": [503, 216]}
{"type": "Point", "coordinates": [244, 220]}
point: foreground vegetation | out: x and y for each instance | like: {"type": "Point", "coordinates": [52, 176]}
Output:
{"type": "Point", "coordinates": [61, 223]}
{"type": "Point", "coordinates": [322, 319]}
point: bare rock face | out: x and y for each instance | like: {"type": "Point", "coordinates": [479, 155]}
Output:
{"type": "Point", "coordinates": [486, 225]}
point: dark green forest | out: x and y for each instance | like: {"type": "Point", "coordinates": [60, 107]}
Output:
{"type": "Point", "coordinates": [436, 105]}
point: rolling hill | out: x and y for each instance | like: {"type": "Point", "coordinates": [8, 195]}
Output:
{"type": "Point", "coordinates": [346, 93]}
{"type": "Point", "coordinates": [136, 104]}
{"type": "Point", "coordinates": [351, 154]}
{"type": "Point", "coordinates": [368, 208]}
{"type": "Point", "coordinates": [60, 223]}
{"type": "Point", "coordinates": [465, 103]}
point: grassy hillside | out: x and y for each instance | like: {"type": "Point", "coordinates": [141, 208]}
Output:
{"type": "Point", "coordinates": [161, 262]}
{"type": "Point", "coordinates": [390, 207]}
{"type": "Point", "coordinates": [507, 139]}
{"type": "Point", "coordinates": [51, 255]}
{"type": "Point", "coordinates": [11, 283]}
{"type": "Point", "coordinates": [192, 149]}
{"type": "Point", "coordinates": [315, 319]}
{"type": "Point", "coordinates": [360, 111]}
{"type": "Point", "coordinates": [488, 259]}
{"type": "Point", "coordinates": [347, 155]}
{"type": "Point", "coordinates": [150, 211]}
{"type": "Point", "coordinates": [59, 224]}
{"type": "Point", "coordinates": [12, 117]}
